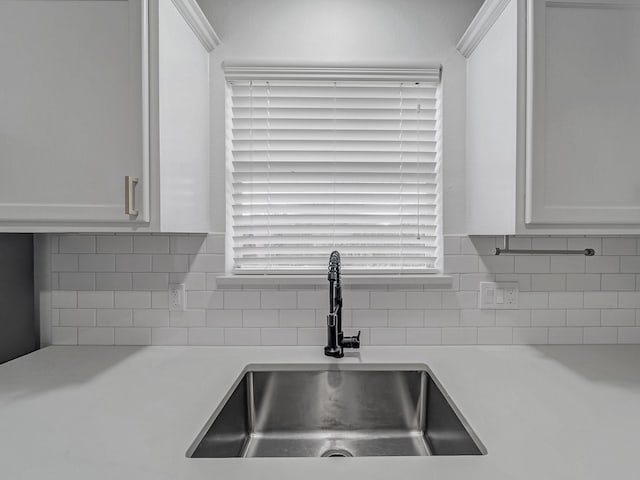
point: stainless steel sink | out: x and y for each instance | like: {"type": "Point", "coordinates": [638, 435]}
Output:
{"type": "Point", "coordinates": [336, 411]}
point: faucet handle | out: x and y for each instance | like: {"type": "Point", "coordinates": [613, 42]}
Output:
{"type": "Point", "coordinates": [351, 342]}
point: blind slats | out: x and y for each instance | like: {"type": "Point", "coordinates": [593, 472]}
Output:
{"type": "Point", "coordinates": [323, 165]}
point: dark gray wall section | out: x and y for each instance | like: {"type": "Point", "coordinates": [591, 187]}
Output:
{"type": "Point", "coordinates": [18, 334]}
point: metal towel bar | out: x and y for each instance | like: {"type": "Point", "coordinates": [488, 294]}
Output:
{"type": "Point", "coordinates": [589, 252]}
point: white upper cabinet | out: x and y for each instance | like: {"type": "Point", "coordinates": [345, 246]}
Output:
{"type": "Point", "coordinates": [93, 93]}
{"type": "Point", "coordinates": [553, 120]}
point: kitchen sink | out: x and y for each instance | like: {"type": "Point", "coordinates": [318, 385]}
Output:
{"type": "Point", "coordinates": [336, 411]}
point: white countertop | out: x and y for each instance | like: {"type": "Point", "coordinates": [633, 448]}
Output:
{"type": "Point", "coordinates": [563, 412]}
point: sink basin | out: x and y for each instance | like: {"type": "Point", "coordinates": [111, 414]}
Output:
{"type": "Point", "coordinates": [336, 411]}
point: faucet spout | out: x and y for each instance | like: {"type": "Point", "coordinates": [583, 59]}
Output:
{"type": "Point", "coordinates": [336, 341]}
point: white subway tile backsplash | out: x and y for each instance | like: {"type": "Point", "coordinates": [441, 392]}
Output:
{"type": "Point", "coordinates": [77, 244]}
{"type": "Point", "coordinates": [95, 336]}
{"type": "Point", "coordinates": [370, 318]}
{"type": "Point", "coordinates": [115, 244]}
{"type": "Point", "coordinates": [224, 318]}
{"type": "Point", "coordinates": [169, 336]}
{"type": "Point", "coordinates": [532, 264]}
{"type": "Point", "coordinates": [442, 318]}
{"type": "Point", "coordinates": [566, 300]}
{"type": "Point", "coordinates": [534, 300]}
{"type": "Point", "coordinates": [281, 300]}
{"type": "Point", "coordinates": [630, 264]}
{"type": "Point", "coordinates": [64, 263]}
{"type": "Point", "coordinates": [206, 336]}
{"type": "Point", "coordinates": [170, 263]}
{"type": "Point", "coordinates": [114, 281]}
{"type": "Point", "coordinates": [580, 243]}
{"type": "Point", "coordinates": [241, 300]}
{"type": "Point", "coordinates": [64, 299]}
{"type": "Point", "coordinates": [279, 336]}
{"type": "Point", "coordinates": [132, 336]}
{"type": "Point", "coordinates": [96, 263]}
{"type": "Point", "coordinates": [206, 263]}
{"type": "Point", "coordinates": [602, 264]}
{"type": "Point", "coordinates": [132, 299]}
{"type": "Point", "coordinates": [188, 318]}
{"type": "Point", "coordinates": [388, 336]}
{"type": "Point", "coordinates": [460, 336]}
{"type": "Point", "coordinates": [76, 281]}
{"type": "Point", "coordinates": [187, 244]}
{"type": "Point", "coordinates": [95, 299]}
{"type": "Point", "coordinates": [298, 318]}
{"type": "Point", "coordinates": [565, 336]}
{"type": "Point", "coordinates": [618, 282]}
{"type": "Point", "coordinates": [113, 289]}
{"type": "Point", "coordinates": [205, 299]}
{"type": "Point", "coordinates": [77, 317]}
{"type": "Point", "coordinates": [496, 264]}
{"type": "Point", "coordinates": [600, 335]}
{"type": "Point", "coordinates": [530, 336]}
{"type": "Point", "coordinates": [629, 335]}
{"type": "Point", "coordinates": [64, 336]}
{"type": "Point", "coordinates": [133, 263]}
{"type": "Point", "coordinates": [150, 318]}
{"type": "Point", "coordinates": [583, 318]}
{"type": "Point", "coordinates": [424, 336]}
{"type": "Point", "coordinates": [577, 282]}
{"type": "Point", "coordinates": [114, 318]}
{"type": "Point", "coordinates": [242, 336]}
{"type": "Point", "coordinates": [618, 246]}
{"type": "Point", "coordinates": [424, 300]}
{"type": "Point", "coordinates": [600, 299]}
{"type": "Point", "coordinates": [567, 264]}
{"type": "Point", "coordinates": [406, 318]}
{"type": "Point", "coordinates": [150, 281]}
{"type": "Point", "coordinates": [460, 263]}
{"type": "Point", "coordinates": [629, 299]}
{"type": "Point", "coordinates": [495, 336]}
{"type": "Point", "coordinates": [151, 244]}
{"type": "Point", "coordinates": [312, 336]}
{"type": "Point", "coordinates": [513, 318]}
{"type": "Point", "coordinates": [388, 300]}
{"type": "Point", "coordinates": [548, 282]}
{"type": "Point", "coordinates": [260, 318]}
{"type": "Point", "coordinates": [478, 318]}
{"type": "Point", "coordinates": [618, 318]}
{"type": "Point", "coordinates": [459, 300]}
{"type": "Point", "coordinates": [548, 318]}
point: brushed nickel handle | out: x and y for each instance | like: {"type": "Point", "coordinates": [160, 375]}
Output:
{"type": "Point", "coordinates": [129, 189]}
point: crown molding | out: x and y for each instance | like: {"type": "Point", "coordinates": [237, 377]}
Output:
{"type": "Point", "coordinates": [246, 73]}
{"type": "Point", "coordinates": [195, 17]}
{"type": "Point", "coordinates": [489, 12]}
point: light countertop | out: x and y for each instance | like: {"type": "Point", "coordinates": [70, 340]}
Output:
{"type": "Point", "coordinates": [562, 412]}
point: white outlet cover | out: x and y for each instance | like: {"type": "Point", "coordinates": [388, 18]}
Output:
{"type": "Point", "coordinates": [498, 295]}
{"type": "Point", "coordinates": [177, 297]}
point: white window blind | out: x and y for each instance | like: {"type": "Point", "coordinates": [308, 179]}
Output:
{"type": "Point", "coordinates": [324, 160]}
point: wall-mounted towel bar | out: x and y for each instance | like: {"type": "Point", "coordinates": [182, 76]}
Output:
{"type": "Point", "coordinates": [589, 252]}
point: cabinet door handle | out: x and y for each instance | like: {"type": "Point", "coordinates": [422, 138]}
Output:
{"type": "Point", "coordinates": [129, 199]}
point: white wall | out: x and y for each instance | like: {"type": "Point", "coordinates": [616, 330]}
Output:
{"type": "Point", "coordinates": [354, 32]}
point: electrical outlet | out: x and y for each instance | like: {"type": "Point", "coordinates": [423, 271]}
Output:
{"type": "Point", "coordinates": [176, 297]}
{"type": "Point", "coordinates": [498, 295]}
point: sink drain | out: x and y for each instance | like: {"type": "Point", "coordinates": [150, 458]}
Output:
{"type": "Point", "coordinates": [337, 453]}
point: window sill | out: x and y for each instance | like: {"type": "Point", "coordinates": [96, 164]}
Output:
{"type": "Point", "coordinates": [238, 281]}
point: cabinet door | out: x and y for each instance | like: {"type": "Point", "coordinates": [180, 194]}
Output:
{"type": "Point", "coordinates": [583, 152]}
{"type": "Point", "coordinates": [73, 110]}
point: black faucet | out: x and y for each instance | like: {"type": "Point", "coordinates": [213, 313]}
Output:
{"type": "Point", "coordinates": [336, 341]}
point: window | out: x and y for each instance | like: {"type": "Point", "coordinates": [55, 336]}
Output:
{"type": "Point", "coordinates": [334, 159]}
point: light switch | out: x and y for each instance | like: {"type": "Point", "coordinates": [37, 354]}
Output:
{"type": "Point", "coordinates": [498, 295]}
